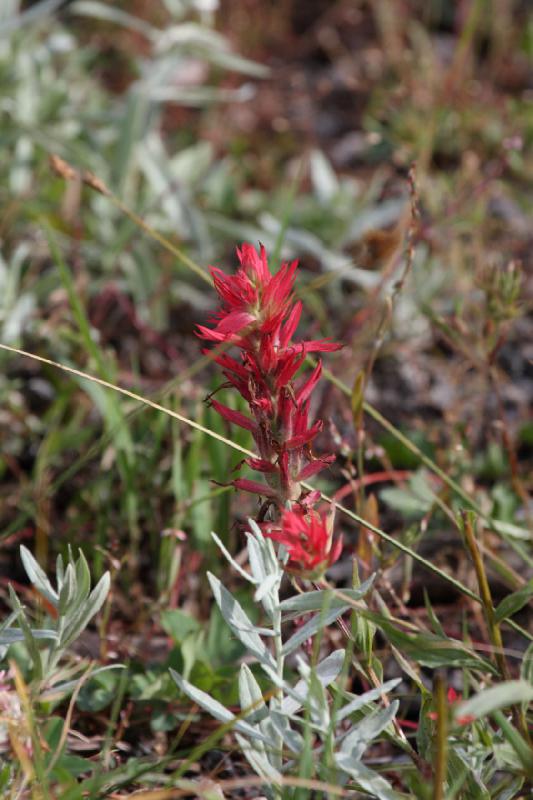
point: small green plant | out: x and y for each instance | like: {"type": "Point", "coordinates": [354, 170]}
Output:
{"type": "Point", "coordinates": [41, 673]}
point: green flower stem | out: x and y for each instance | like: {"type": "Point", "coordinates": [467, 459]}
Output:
{"type": "Point", "coordinates": [278, 655]}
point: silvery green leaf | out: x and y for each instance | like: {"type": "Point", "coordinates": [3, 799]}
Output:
{"type": "Point", "coordinates": [59, 690]}
{"type": "Point", "coordinates": [465, 769]}
{"type": "Point", "coordinates": [84, 614]}
{"type": "Point", "coordinates": [512, 790]}
{"type": "Point", "coordinates": [326, 672]}
{"type": "Point", "coordinates": [526, 669]}
{"type": "Point", "coordinates": [239, 622]}
{"type": "Point", "coordinates": [102, 11]}
{"type": "Point", "coordinates": [256, 558]}
{"type": "Point", "coordinates": [508, 529]}
{"type": "Point", "coordinates": [37, 576]}
{"type": "Point", "coordinates": [311, 627]}
{"type": "Point", "coordinates": [267, 547]}
{"type": "Point", "coordinates": [255, 629]}
{"type": "Point", "coordinates": [217, 710]}
{"type": "Point", "coordinates": [29, 639]}
{"type": "Point", "coordinates": [251, 696]}
{"type": "Point", "coordinates": [270, 582]}
{"type": "Point", "coordinates": [368, 697]}
{"type": "Point", "coordinates": [504, 694]}
{"type": "Point", "coordinates": [258, 760]}
{"type": "Point", "coordinates": [12, 635]}
{"type": "Point", "coordinates": [324, 598]}
{"type": "Point", "coordinates": [368, 780]}
{"type": "Point", "coordinates": [8, 622]}
{"type": "Point", "coordinates": [291, 738]}
{"type": "Point", "coordinates": [265, 568]}
{"type": "Point", "coordinates": [83, 577]}
{"type": "Point", "coordinates": [237, 567]}
{"type": "Point", "coordinates": [60, 572]}
{"type": "Point", "coordinates": [68, 591]}
{"type": "Point", "coordinates": [317, 703]}
{"type": "Point", "coordinates": [359, 737]}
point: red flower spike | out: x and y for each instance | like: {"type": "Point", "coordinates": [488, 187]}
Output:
{"type": "Point", "coordinates": [306, 537]}
{"type": "Point", "coordinates": [259, 316]}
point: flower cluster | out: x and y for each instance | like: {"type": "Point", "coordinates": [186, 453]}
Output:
{"type": "Point", "coordinates": [307, 538]}
{"type": "Point", "coordinates": [259, 315]}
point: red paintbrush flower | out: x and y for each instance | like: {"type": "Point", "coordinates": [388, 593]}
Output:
{"type": "Point", "coordinates": [259, 316]}
{"type": "Point", "coordinates": [307, 537]}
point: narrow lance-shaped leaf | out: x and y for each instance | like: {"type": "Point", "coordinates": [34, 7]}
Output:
{"type": "Point", "coordinates": [325, 598]}
{"type": "Point", "coordinates": [239, 621]}
{"type": "Point", "coordinates": [326, 672]}
{"type": "Point", "coordinates": [251, 696]}
{"type": "Point", "coordinates": [37, 576]}
{"type": "Point", "coordinates": [92, 606]}
{"type": "Point", "coordinates": [501, 696]}
{"type": "Point", "coordinates": [368, 697]}
{"type": "Point", "coordinates": [311, 627]}
{"type": "Point", "coordinates": [237, 567]}
{"type": "Point", "coordinates": [514, 602]}
{"type": "Point", "coordinates": [29, 639]}
{"type": "Point", "coordinates": [364, 732]}
{"type": "Point", "coordinates": [217, 710]}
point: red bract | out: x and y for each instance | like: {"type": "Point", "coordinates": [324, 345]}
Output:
{"type": "Point", "coordinates": [307, 538]}
{"type": "Point", "coordinates": [258, 314]}
{"type": "Point", "coordinates": [453, 698]}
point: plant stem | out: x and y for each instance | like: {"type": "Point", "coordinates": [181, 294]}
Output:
{"type": "Point", "coordinates": [467, 526]}
{"type": "Point", "coordinates": [278, 696]}
{"type": "Point", "coordinates": [467, 518]}
{"type": "Point", "coordinates": [441, 740]}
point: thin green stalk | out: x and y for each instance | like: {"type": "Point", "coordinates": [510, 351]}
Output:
{"type": "Point", "coordinates": [441, 740]}
{"type": "Point", "coordinates": [495, 634]}
{"type": "Point", "coordinates": [467, 527]}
